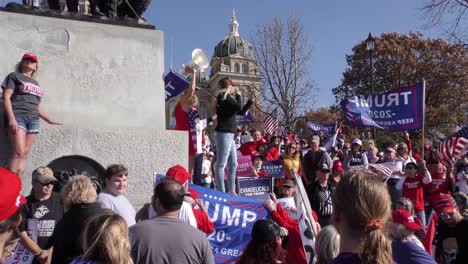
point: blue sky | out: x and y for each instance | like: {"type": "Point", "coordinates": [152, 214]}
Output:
{"type": "Point", "coordinates": [333, 27]}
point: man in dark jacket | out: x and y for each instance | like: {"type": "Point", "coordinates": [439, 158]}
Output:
{"type": "Point", "coordinates": [228, 105]}
{"type": "Point", "coordinates": [314, 159]}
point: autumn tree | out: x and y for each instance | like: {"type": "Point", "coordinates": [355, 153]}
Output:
{"type": "Point", "coordinates": [402, 60]}
{"type": "Point", "coordinates": [283, 55]}
{"type": "Point", "coordinates": [451, 16]}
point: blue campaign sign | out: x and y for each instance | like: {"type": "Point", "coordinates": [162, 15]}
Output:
{"type": "Point", "coordinates": [325, 128]}
{"type": "Point", "coordinates": [244, 119]}
{"type": "Point", "coordinates": [174, 84]}
{"type": "Point", "coordinates": [233, 218]}
{"type": "Point", "coordinates": [274, 168]}
{"type": "Point", "coordinates": [397, 110]}
{"type": "Point", "coordinates": [256, 188]}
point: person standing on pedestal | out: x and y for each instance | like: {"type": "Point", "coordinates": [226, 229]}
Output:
{"type": "Point", "coordinates": [228, 105]}
{"type": "Point", "coordinates": [188, 102]}
{"type": "Point", "coordinates": [22, 100]}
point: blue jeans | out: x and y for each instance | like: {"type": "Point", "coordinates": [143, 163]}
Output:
{"type": "Point", "coordinates": [226, 154]}
{"type": "Point", "coordinates": [422, 216]}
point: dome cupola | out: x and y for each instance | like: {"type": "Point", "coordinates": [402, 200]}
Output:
{"type": "Point", "coordinates": [233, 43]}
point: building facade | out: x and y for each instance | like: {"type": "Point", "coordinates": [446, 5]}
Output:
{"type": "Point", "coordinates": [233, 57]}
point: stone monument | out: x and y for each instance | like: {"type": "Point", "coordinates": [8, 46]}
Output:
{"type": "Point", "coordinates": [104, 82]}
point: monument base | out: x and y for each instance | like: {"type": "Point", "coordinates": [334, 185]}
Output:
{"type": "Point", "coordinates": [104, 82]}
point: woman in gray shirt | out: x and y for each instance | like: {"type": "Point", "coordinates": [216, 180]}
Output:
{"type": "Point", "coordinates": [22, 99]}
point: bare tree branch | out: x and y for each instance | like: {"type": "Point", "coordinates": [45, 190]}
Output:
{"type": "Point", "coordinates": [283, 55]}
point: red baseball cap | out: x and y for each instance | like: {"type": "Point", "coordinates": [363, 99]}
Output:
{"type": "Point", "coordinates": [10, 194]}
{"type": "Point", "coordinates": [31, 56]}
{"type": "Point", "coordinates": [338, 166]}
{"type": "Point", "coordinates": [178, 173]}
{"type": "Point", "coordinates": [442, 203]}
{"type": "Point", "coordinates": [404, 217]}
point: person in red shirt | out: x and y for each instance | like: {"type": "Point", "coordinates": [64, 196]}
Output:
{"type": "Point", "coordinates": [250, 147]}
{"type": "Point", "coordinates": [188, 101]}
{"type": "Point", "coordinates": [412, 185]}
{"type": "Point", "coordinates": [295, 250]}
{"type": "Point", "coordinates": [272, 150]}
{"type": "Point", "coordinates": [441, 176]}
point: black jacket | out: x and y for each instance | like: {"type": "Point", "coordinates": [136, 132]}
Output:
{"type": "Point", "coordinates": [226, 111]}
{"type": "Point", "coordinates": [67, 234]}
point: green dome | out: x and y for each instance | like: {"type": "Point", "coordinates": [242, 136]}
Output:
{"type": "Point", "coordinates": [233, 44]}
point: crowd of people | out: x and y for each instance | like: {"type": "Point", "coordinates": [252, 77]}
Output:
{"type": "Point", "coordinates": [416, 213]}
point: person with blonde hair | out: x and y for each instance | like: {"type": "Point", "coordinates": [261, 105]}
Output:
{"type": "Point", "coordinates": [23, 110]}
{"type": "Point", "coordinates": [105, 240]}
{"type": "Point", "coordinates": [327, 245]}
{"type": "Point", "coordinates": [361, 211]}
{"type": "Point", "coordinates": [79, 198]}
{"type": "Point", "coordinates": [187, 105]}
{"type": "Point", "coordinates": [292, 160]}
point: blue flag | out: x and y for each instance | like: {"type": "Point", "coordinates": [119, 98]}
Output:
{"type": "Point", "coordinates": [328, 129]}
{"type": "Point", "coordinates": [233, 218]}
{"type": "Point", "coordinates": [174, 84]}
{"type": "Point", "coordinates": [397, 110]}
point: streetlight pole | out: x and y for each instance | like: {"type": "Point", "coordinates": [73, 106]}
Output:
{"type": "Point", "coordinates": [370, 45]}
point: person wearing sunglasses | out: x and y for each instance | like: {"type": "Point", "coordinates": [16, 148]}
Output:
{"type": "Point", "coordinates": [43, 209]}
{"type": "Point", "coordinates": [412, 185]}
{"type": "Point", "coordinates": [451, 240]}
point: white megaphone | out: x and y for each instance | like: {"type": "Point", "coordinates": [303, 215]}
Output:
{"type": "Point", "coordinates": [199, 60]}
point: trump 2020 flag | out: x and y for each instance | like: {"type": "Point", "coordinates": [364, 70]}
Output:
{"type": "Point", "coordinates": [233, 218]}
{"type": "Point", "coordinates": [397, 110]}
{"type": "Point", "coordinates": [174, 84]}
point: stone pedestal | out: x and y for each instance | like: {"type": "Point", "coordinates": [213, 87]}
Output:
{"type": "Point", "coordinates": [104, 82]}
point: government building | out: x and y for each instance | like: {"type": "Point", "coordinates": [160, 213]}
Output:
{"type": "Point", "coordinates": [233, 57]}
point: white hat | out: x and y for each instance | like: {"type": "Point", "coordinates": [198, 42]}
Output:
{"type": "Point", "coordinates": [211, 153]}
{"type": "Point", "coordinates": [357, 141]}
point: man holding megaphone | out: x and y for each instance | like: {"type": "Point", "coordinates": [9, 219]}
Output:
{"type": "Point", "coordinates": [228, 105]}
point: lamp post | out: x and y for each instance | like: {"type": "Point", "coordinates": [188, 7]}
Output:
{"type": "Point", "coordinates": [370, 45]}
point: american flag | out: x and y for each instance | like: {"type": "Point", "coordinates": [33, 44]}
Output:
{"type": "Point", "coordinates": [193, 115]}
{"type": "Point", "coordinates": [271, 122]}
{"type": "Point", "coordinates": [454, 147]}
{"type": "Point", "coordinates": [386, 168]}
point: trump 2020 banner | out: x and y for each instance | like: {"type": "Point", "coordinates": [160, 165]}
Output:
{"type": "Point", "coordinates": [396, 110]}
{"type": "Point", "coordinates": [328, 129]}
{"type": "Point", "coordinates": [174, 84]}
{"type": "Point", "coordinates": [233, 218]}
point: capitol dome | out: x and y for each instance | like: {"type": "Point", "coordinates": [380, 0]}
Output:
{"type": "Point", "coordinates": [233, 44]}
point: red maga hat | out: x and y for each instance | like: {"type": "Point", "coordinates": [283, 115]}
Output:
{"type": "Point", "coordinates": [10, 194]}
{"type": "Point", "coordinates": [338, 166]}
{"type": "Point", "coordinates": [31, 56]}
{"type": "Point", "coordinates": [404, 217]}
{"type": "Point", "coordinates": [178, 173]}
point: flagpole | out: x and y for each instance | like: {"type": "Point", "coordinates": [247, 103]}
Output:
{"type": "Point", "coordinates": [424, 116]}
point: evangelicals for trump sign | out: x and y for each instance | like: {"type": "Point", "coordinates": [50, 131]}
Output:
{"type": "Point", "coordinates": [233, 218]}
{"type": "Point", "coordinates": [398, 110]}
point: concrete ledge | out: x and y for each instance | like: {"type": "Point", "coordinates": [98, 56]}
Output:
{"type": "Point", "coordinates": [143, 151]}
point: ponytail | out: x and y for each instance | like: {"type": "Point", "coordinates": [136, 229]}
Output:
{"type": "Point", "coordinates": [363, 201]}
{"type": "Point", "coordinates": [377, 248]}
